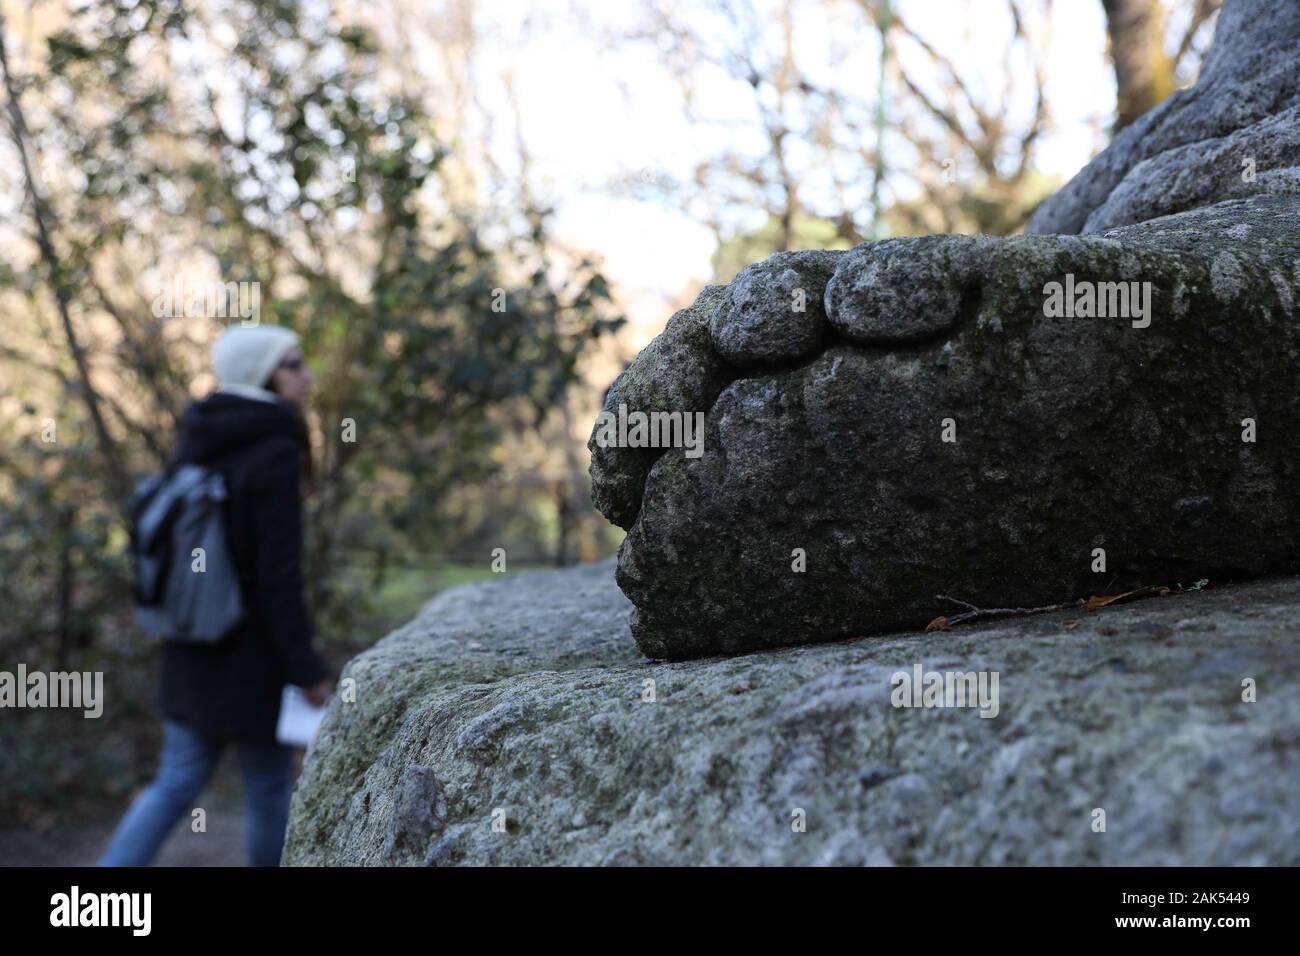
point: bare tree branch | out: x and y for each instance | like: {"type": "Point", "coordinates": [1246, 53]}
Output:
{"type": "Point", "coordinates": [43, 217]}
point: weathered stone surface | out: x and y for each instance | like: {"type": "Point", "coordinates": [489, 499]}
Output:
{"type": "Point", "coordinates": [772, 311]}
{"type": "Point", "coordinates": [1266, 154]}
{"type": "Point", "coordinates": [678, 371]}
{"type": "Point", "coordinates": [905, 290]}
{"type": "Point", "coordinates": [522, 695]}
{"type": "Point", "coordinates": [955, 433]}
{"type": "Point", "coordinates": [1070, 434]}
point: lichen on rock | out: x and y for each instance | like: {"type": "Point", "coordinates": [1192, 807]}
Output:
{"type": "Point", "coordinates": [553, 743]}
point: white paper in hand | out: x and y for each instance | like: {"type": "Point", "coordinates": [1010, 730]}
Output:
{"type": "Point", "coordinates": [299, 720]}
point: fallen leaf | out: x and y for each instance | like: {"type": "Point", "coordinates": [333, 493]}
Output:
{"type": "Point", "coordinates": [1150, 590]}
{"type": "Point", "coordinates": [938, 624]}
{"type": "Point", "coordinates": [1071, 625]}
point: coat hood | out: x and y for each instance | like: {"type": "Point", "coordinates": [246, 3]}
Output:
{"type": "Point", "coordinates": [222, 423]}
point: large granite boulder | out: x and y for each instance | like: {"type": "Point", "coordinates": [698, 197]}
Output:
{"type": "Point", "coordinates": [521, 702]}
{"type": "Point", "coordinates": [1014, 421]}
{"type": "Point", "coordinates": [513, 722]}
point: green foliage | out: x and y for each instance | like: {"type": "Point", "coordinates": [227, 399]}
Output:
{"type": "Point", "coordinates": [257, 137]}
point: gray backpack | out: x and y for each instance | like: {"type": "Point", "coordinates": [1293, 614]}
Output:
{"type": "Point", "coordinates": [186, 587]}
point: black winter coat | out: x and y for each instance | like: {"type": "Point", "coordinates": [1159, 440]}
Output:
{"type": "Point", "coordinates": [231, 690]}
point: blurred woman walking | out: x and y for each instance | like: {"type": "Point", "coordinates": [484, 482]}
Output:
{"type": "Point", "coordinates": [253, 432]}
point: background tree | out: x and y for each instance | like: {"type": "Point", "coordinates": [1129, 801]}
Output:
{"type": "Point", "coordinates": [238, 142]}
{"type": "Point", "coordinates": [807, 148]}
{"type": "Point", "coordinates": [803, 157]}
{"type": "Point", "coordinates": [1146, 71]}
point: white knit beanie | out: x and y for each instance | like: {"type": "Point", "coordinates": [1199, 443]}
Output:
{"type": "Point", "coordinates": [245, 356]}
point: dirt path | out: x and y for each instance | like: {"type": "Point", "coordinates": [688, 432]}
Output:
{"type": "Point", "coordinates": [80, 843]}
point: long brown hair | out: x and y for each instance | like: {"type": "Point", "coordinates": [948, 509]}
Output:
{"type": "Point", "coordinates": [304, 440]}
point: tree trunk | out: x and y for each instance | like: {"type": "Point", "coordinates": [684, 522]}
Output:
{"type": "Point", "coordinates": [1144, 74]}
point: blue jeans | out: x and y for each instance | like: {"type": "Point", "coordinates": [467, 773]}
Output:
{"type": "Point", "coordinates": [188, 761]}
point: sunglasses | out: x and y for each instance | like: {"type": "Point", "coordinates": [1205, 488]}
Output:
{"type": "Point", "coordinates": [293, 365]}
